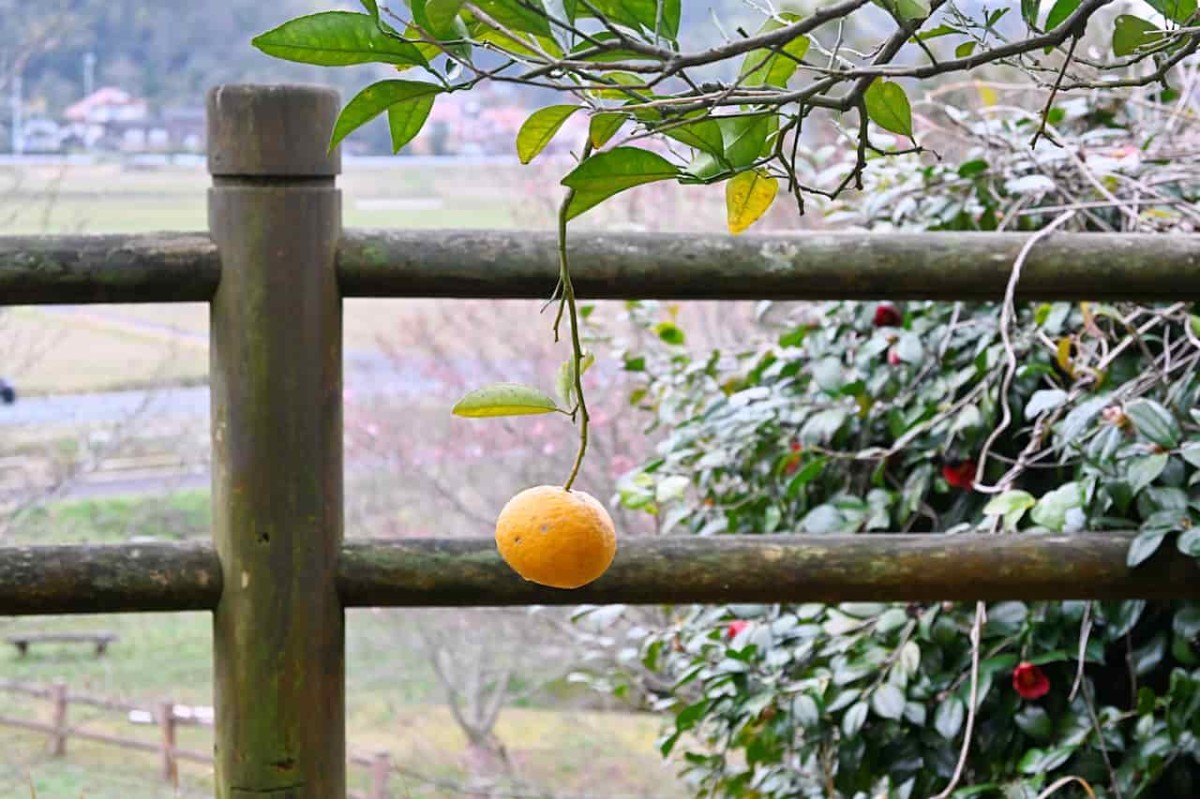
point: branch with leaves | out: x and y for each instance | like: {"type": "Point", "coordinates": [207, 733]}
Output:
{"type": "Point", "coordinates": [736, 112]}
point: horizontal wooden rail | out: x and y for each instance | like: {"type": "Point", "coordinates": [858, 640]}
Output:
{"type": "Point", "coordinates": [150, 267]}
{"type": "Point", "coordinates": [182, 267]}
{"type": "Point", "coordinates": [47, 692]}
{"type": "Point", "coordinates": [767, 569]}
{"type": "Point", "coordinates": [81, 578]}
{"type": "Point", "coordinates": [802, 266]}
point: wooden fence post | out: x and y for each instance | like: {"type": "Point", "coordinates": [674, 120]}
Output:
{"type": "Point", "coordinates": [276, 376]}
{"type": "Point", "coordinates": [166, 726]}
{"type": "Point", "coordinates": [381, 768]}
{"type": "Point", "coordinates": [58, 743]}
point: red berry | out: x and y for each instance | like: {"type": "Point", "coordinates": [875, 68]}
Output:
{"type": "Point", "coordinates": [960, 474]}
{"type": "Point", "coordinates": [736, 627]}
{"type": "Point", "coordinates": [893, 358]}
{"type": "Point", "coordinates": [796, 446]}
{"type": "Point", "coordinates": [1030, 681]}
{"type": "Point", "coordinates": [886, 315]}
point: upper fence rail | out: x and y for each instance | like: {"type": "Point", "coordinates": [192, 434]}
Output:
{"type": "Point", "coordinates": [185, 267]}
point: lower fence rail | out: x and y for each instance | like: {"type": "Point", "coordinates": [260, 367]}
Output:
{"type": "Point", "coordinates": [761, 569]}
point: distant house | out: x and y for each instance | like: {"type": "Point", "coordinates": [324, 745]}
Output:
{"type": "Point", "coordinates": [113, 119]}
{"type": "Point", "coordinates": [106, 106]}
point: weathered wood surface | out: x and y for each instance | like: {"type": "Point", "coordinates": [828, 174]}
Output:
{"type": "Point", "coordinates": [782, 568]}
{"type": "Point", "coordinates": [183, 267]}
{"type": "Point", "coordinates": [768, 569]}
{"type": "Point", "coordinates": [84, 578]}
{"type": "Point", "coordinates": [152, 267]}
{"type": "Point", "coordinates": [810, 266]}
{"type": "Point", "coordinates": [276, 348]}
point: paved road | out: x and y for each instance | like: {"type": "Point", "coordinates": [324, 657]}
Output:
{"type": "Point", "coordinates": [366, 375]}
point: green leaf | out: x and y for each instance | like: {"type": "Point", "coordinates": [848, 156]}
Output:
{"type": "Point", "coordinates": [1051, 510]}
{"type": "Point", "coordinates": [888, 701]}
{"type": "Point", "coordinates": [515, 16]}
{"type": "Point", "coordinates": [948, 718]}
{"type": "Point", "coordinates": [1059, 13]}
{"type": "Point", "coordinates": [804, 476]}
{"type": "Point", "coordinates": [1044, 400]}
{"type": "Point", "coordinates": [1130, 34]}
{"type": "Point", "coordinates": [905, 10]}
{"type": "Point", "coordinates": [504, 399]}
{"type": "Point", "coordinates": [1187, 621]}
{"type": "Point", "coordinates": [744, 137]}
{"type": "Point", "coordinates": [406, 119]}
{"type": "Point", "coordinates": [910, 658]}
{"type": "Point", "coordinates": [1154, 422]}
{"type": "Point", "coordinates": [540, 128]}
{"type": "Point", "coordinates": [1011, 505]}
{"type": "Point", "coordinates": [603, 126]}
{"type": "Point", "coordinates": [373, 100]}
{"type": "Point", "coordinates": [1029, 11]}
{"type": "Point", "coordinates": [703, 134]}
{"type": "Point", "coordinates": [1144, 471]}
{"type": "Point", "coordinates": [747, 197]}
{"type": "Point", "coordinates": [671, 488]}
{"type": "Point", "coordinates": [774, 66]}
{"type": "Point", "coordinates": [938, 32]}
{"type": "Point", "coordinates": [887, 106]}
{"type": "Point", "coordinates": [336, 39]}
{"type": "Point", "coordinates": [565, 380]}
{"type": "Point", "coordinates": [964, 49]}
{"type": "Point", "coordinates": [611, 172]}
{"type": "Point", "coordinates": [854, 718]}
{"type": "Point", "coordinates": [639, 14]}
{"type": "Point", "coordinates": [1191, 452]}
{"type": "Point", "coordinates": [1035, 722]}
{"type": "Point", "coordinates": [670, 333]}
{"type": "Point", "coordinates": [441, 14]}
{"type": "Point", "coordinates": [1145, 544]}
{"type": "Point", "coordinates": [1179, 11]}
{"type": "Point", "coordinates": [1189, 542]}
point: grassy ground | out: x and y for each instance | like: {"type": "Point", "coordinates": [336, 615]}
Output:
{"type": "Point", "coordinates": [393, 699]}
{"type": "Point", "coordinates": [112, 199]}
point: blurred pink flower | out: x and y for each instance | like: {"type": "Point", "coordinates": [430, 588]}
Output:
{"type": "Point", "coordinates": [619, 464]}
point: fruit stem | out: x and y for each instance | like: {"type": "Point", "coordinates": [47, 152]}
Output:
{"type": "Point", "coordinates": [568, 300]}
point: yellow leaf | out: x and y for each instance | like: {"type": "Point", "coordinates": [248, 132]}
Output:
{"type": "Point", "coordinates": [1064, 356]}
{"type": "Point", "coordinates": [987, 95]}
{"type": "Point", "coordinates": [748, 195]}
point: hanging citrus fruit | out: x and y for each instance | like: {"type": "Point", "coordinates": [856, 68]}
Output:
{"type": "Point", "coordinates": [556, 537]}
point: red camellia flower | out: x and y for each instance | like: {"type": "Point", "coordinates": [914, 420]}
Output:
{"type": "Point", "coordinates": [792, 463]}
{"type": "Point", "coordinates": [886, 315]}
{"type": "Point", "coordinates": [1030, 681]}
{"type": "Point", "coordinates": [736, 627]}
{"type": "Point", "coordinates": [960, 473]}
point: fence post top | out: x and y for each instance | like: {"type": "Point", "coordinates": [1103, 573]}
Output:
{"type": "Point", "coordinates": [272, 131]}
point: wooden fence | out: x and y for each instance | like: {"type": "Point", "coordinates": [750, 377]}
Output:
{"type": "Point", "coordinates": [166, 716]}
{"type": "Point", "coordinates": [274, 268]}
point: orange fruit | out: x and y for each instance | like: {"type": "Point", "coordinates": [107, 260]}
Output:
{"type": "Point", "coordinates": [554, 537]}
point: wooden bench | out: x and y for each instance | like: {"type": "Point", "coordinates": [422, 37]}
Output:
{"type": "Point", "coordinates": [99, 640]}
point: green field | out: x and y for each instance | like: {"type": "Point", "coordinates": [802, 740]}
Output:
{"type": "Point", "coordinates": [393, 698]}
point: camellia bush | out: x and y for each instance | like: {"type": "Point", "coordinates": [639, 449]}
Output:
{"type": "Point", "coordinates": [861, 418]}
